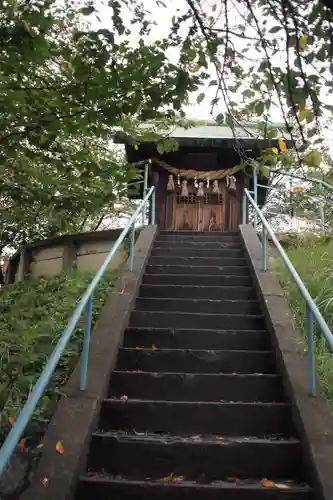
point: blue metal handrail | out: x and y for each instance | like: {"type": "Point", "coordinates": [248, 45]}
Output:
{"type": "Point", "coordinates": [85, 305]}
{"type": "Point", "coordinates": [313, 312]}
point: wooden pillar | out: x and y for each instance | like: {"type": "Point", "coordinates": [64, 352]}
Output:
{"type": "Point", "coordinates": [24, 264]}
{"type": "Point", "coordinates": [68, 256]}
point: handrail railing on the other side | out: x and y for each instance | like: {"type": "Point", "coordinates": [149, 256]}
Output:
{"type": "Point", "coordinates": [84, 305]}
{"type": "Point", "coordinates": [313, 312]}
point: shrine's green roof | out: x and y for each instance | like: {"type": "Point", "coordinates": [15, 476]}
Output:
{"type": "Point", "coordinates": [216, 135]}
{"type": "Point", "coordinates": [212, 130]}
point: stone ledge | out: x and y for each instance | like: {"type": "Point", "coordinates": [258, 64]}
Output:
{"type": "Point", "coordinates": [312, 416]}
{"type": "Point", "coordinates": [77, 412]}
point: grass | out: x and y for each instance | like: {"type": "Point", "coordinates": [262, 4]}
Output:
{"type": "Point", "coordinates": [312, 258]}
{"type": "Point", "coordinates": [33, 314]}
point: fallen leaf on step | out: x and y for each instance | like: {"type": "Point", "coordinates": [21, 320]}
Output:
{"type": "Point", "coordinates": [196, 438]}
{"type": "Point", "coordinates": [282, 486]}
{"type": "Point", "coordinates": [21, 445]}
{"type": "Point", "coordinates": [219, 438]}
{"type": "Point", "coordinates": [139, 348]}
{"type": "Point", "coordinates": [124, 398]}
{"type": "Point", "coordinates": [139, 433]}
{"type": "Point", "coordinates": [154, 348]}
{"type": "Point", "coordinates": [60, 448]}
{"type": "Point", "coordinates": [267, 484]}
{"type": "Point", "coordinates": [45, 481]}
{"type": "Point", "coordinates": [173, 478]}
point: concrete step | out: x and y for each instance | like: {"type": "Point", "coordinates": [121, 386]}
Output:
{"type": "Point", "coordinates": [199, 234]}
{"type": "Point", "coordinates": [176, 260]}
{"type": "Point", "coordinates": [195, 361]}
{"type": "Point", "coordinates": [207, 243]}
{"type": "Point", "coordinates": [196, 280]}
{"type": "Point", "coordinates": [190, 418]}
{"type": "Point", "coordinates": [183, 338]}
{"type": "Point", "coordinates": [104, 487]}
{"type": "Point", "coordinates": [196, 386]}
{"type": "Point", "coordinates": [184, 251]}
{"type": "Point", "coordinates": [206, 306]}
{"type": "Point", "coordinates": [205, 270]}
{"type": "Point", "coordinates": [202, 458]}
{"type": "Point", "coordinates": [197, 292]}
{"type": "Point", "coordinates": [156, 319]}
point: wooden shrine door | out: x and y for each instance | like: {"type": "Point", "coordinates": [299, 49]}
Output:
{"type": "Point", "coordinates": [212, 213]}
{"type": "Point", "coordinates": [199, 214]}
{"type": "Point", "coordinates": [185, 214]}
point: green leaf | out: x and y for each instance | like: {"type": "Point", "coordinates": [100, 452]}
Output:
{"type": "Point", "coordinates": [86, 11]}
{"type": "Point", "coordinates": [263, 65]}
{"type": "Point", "coordinates": [200, 97]}
{"type": "Point", "coordinates": [27, 27]}
{"type": "Point", "coordinates": [265, 171]}
{"type": "Point", "coordinates": [314, 158]}
{"type": "Point", "coordinates": [306, 114]}
{"type": "Point", "coordinates": [275, 29]}
{"type": "Point", "coordinates": [248, 93]}
{"type": "Point", "coordinates": [160, 147]}
{"type": "Point", "coordinates": [259, 107]}
{"type": "Point", "coordinates": [229, 119]}
{"type": "Point", "coordinates": [212, 83]}
{"type": "Point", "coordinates": [219, 118]}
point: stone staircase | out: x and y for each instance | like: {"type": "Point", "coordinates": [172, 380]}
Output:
{"type": "Point", "coordinates": [196, 408]}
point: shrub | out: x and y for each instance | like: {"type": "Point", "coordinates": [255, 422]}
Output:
{"type": "Point", "coordinates": [33, 313]}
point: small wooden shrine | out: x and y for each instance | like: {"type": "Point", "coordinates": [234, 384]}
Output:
{"type": "Point", "coordinates": [200, 186]}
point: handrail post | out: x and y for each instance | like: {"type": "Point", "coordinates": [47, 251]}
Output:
{"type": "Point", "coordinates": [311, 355]}
{"type": "Point", "coordinates": [153, 205]}
{"type": "Point", "coordinates": [145, 188]}
{"type": "Point", "coordinates": [264, 248]}
{"type": "Point", "coordinates": [86, 344]}
{"type": "Point", "coordinates": [244, 209]}
{"type": "Point", "coordinates": [255, 190]}
{"type": "Point", "coordinates": [132, 243]}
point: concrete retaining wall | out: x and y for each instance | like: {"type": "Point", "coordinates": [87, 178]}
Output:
{"type": "Point", "coordinates": [50, 257]}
